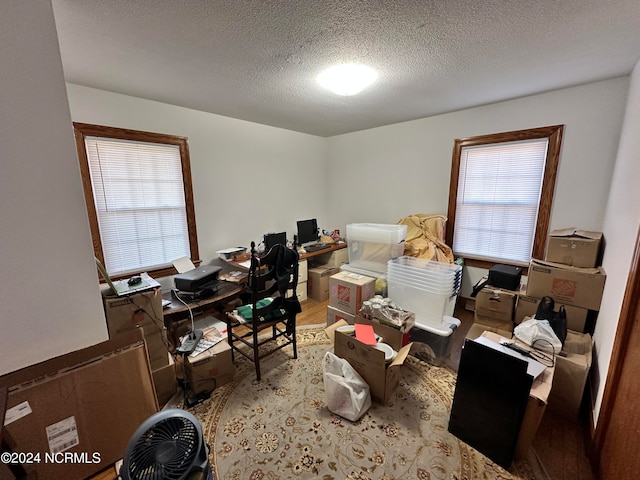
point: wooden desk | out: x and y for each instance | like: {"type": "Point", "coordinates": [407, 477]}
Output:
{"type": "Point", "coordinates": [177, 314]}
{"type": "Point", "coordinates": [303, 256]}
{"type": "Point", "coordinates": [332, 248]}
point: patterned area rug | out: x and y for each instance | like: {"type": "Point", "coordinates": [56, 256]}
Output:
{"type": "Point", "coordinates": [281, 428]}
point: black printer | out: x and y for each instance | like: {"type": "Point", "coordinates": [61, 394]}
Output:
{"type": "Point", "coordinates": [201, 278]}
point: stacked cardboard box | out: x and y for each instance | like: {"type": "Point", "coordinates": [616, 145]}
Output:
{"type": "Point", "coordinates": [577, 248]}
{"type": "Point", "coordinates": [143, 311]}
{"type": "Point", "coordinates": [318, 281]}
{"type": "Point", "coordinates": [570, 274]}
{"type": "Point", "coordinates": [494, 311]}
{"type": "Point", "coordinates": [165, 382]}
{"type": "Point", "coordinates": [210, 369]}
{"type": "Point", "coordinates": [347, 291]}
{"type": "Point", "coordinates": [333, 259]}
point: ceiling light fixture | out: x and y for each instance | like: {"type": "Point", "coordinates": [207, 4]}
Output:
{"type": "Point", "coordinates": [347, 78]}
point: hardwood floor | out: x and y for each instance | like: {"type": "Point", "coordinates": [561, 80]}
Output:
{"type": "Point", "coordinates": [559, 443]}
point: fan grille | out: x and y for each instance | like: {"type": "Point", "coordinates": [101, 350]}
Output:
{"type": "Point", "coordinates": [165, 451]}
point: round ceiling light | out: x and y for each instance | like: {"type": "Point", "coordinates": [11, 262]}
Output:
{"type": "Point", "coordinates": [347, 78]}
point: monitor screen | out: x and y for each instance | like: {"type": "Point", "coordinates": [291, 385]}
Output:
{"type": "Point", "coordinates": [271, 239]}
{"type": "Point", "coordinates": [308, 231]}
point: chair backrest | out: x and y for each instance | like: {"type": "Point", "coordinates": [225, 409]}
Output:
{"type": "Point", "coordinates": [273, 274]}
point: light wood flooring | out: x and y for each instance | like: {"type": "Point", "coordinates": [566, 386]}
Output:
{"type": "Point", "coordinates": [559, 443]}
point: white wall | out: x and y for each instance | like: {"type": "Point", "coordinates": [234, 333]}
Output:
{"type": "Point", "coordinates": [622, 217]}
{"type": "Point", "coordinates": [49, 295]}
{"type": "Point", "coordinates": [383, 174]}
{"type": "Point", "coordinates": [248, 179]}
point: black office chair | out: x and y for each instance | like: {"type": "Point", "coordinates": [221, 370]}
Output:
{"type": "Point", "coordinates": [273, 303]}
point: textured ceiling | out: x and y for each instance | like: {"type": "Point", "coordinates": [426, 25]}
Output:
{"type": "Point", "coordinates": [258, 60]}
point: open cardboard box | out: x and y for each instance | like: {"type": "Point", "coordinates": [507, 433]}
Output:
{"type": "Point", "coordinates": [369, 362]}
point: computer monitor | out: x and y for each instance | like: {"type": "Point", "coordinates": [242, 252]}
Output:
{"type": "Point", "coordinates": [271, 239]}
{"type": "Point", "coordinates": [308, 232]}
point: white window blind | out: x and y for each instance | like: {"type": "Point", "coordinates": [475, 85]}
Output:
{"type": "Point", "coordinates": [139, 197]}
{"type": "Point", "coordinates": [499, 187]}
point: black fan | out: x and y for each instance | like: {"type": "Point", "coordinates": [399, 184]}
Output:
{"type": "Point", "coordinates": [169, 445]}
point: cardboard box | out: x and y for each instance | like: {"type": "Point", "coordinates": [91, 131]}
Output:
{"type": "Point", "coordinates": [496, 304]}
{"type": "Point", "coordinates": [528, 306]}
{"type": "Point", "coordinates": [85, 402]}
{"type": "Point", "coordinates": [142, 309]}
{"type": "Point", "coordinates": [347, 291]}
{"type": "Point", "coordinates": [580, 287]}
{"type": "Point", "coordinates": [536, 404]}
{"type": "Point", "coordinates": [318, 282]}
{"type": "Point", "coordinates": [571, 372]}
{"type": "Point", "coordinates": [157, 350]}
{"type": "Point", "coordinates": [369, 362]}
{"type": "Point", "coordinates": [578, 248]}
{"type": "Point", "coordinates": [476, 330]}
{"type": "Point", "coordinates": [391, 336]}
{"type": "Point", "coordinates": [333, 259]}
{"type": "Point", "coordinates": [335, 315]}
{"type": "Point", "coordinates": [210, 369]}
{"type": "Point", "coordinates": [164, 381]}
{"type": "Point", "coordinates": [496, 326]}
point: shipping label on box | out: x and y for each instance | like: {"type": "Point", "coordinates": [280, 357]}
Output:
{"type": "Point", "coordinates": [528, 306]}
{"type": "Point", "coordinates": [369, 362]}
{"type": "Point", "coordinates": [318, 282]}
{"type": "Point", "coordinates": [347, 291]}
{"type": "Point", "coordinates": [578, 248]}
{"type": "Point", "coordinates": [495, 303]}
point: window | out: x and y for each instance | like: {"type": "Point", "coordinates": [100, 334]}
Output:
{"type": "Point", "coordinates": [501, 193]}
{"type": "Point", "coordinates": [139, 198]}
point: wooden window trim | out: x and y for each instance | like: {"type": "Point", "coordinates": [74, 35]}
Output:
{"type": "Point", "coordinates": [554, 135]}
{"type": "Point", "coordinates": [83, 130]}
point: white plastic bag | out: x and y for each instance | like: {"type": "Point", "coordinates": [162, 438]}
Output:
{"type": "Point", "coordinates": [348, 395]}
{"type": "Point", "coordinates": [538, 334]}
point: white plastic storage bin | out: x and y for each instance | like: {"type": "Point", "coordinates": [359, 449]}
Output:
{"type": "Point", "coordinates": [372, 245]}
{"type": "Point", "coordinates": [429, 308]}
{"type": "Point", "coordinates": [431, 344]}
{"type": "Point", "coordinates": [425, 287]}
